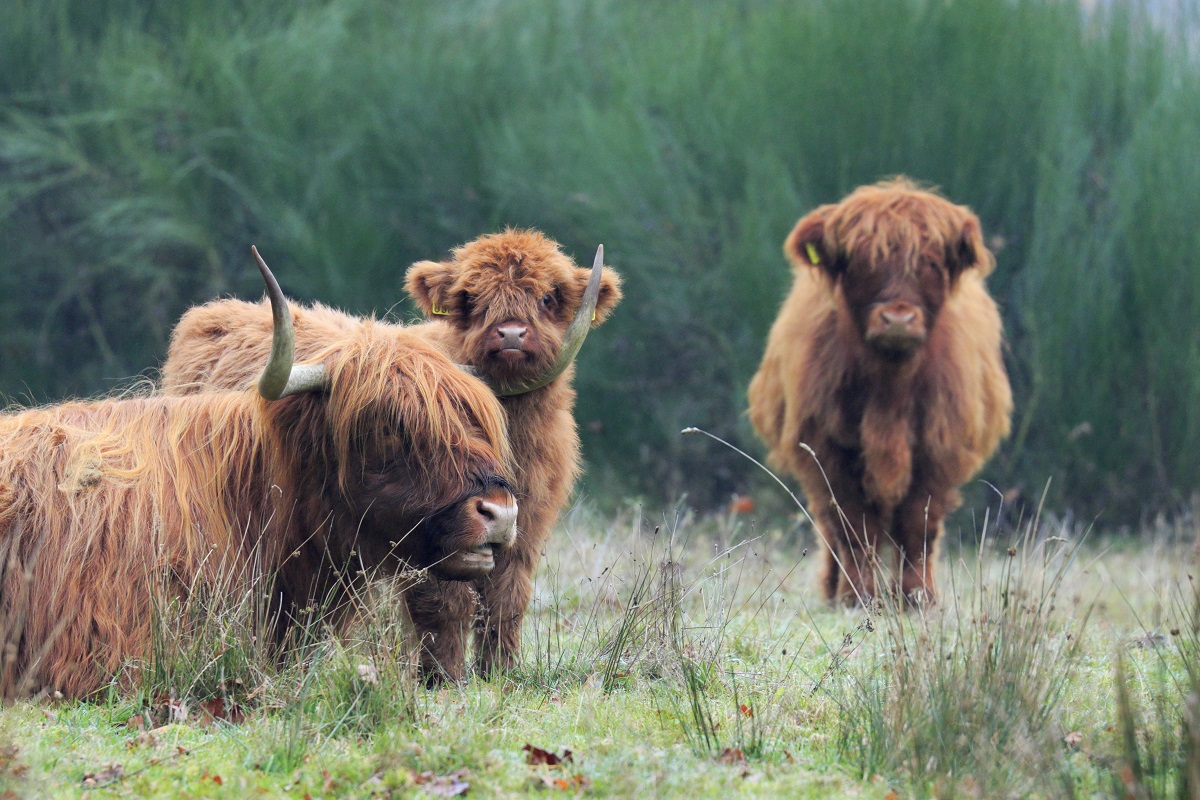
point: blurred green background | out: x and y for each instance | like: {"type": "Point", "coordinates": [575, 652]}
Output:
{"type": "Point", "coordinates": [144, 145]}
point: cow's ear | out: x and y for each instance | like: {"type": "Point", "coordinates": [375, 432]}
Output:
{"type": "Point", "coordinates": [428, 283]}
{"type": "Point", "coordinates": [807, 245]}
{"type": "Point", "coordinates": [969, 250]}
{"type": "Point", "coordinates": [610, 291]}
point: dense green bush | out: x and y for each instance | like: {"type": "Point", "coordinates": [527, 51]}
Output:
{"type": "Point", "coordinates": [145, 145]}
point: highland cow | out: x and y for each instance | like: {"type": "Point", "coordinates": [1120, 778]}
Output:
{"type": "Point", "coordinates": [512, 308]}
{"type": "Point", "coordinates": [883, 386]}
{"type": "Point", "coordinates": [379, 455]}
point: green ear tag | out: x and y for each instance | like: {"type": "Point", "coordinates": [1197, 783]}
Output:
{"type": "Point", "coordinates": [813, 258]}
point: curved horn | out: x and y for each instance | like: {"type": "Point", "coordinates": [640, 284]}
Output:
{"type": "Point", "coordinates": [572, 339]}
{"type": "Point", "coordinates": [281, 377]}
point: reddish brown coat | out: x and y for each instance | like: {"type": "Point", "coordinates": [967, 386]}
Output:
{"type": "Point", "coordinates": [515, 278]}
{"type": "Point", "coordinates": [105, 500]}
{"type": "Point", "coordinates": [886, 361]}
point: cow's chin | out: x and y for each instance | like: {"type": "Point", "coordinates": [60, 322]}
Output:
{"type": "Point", "coordinates": [465, 565]}
{"type": "Point", "coordinates": [516, 365]}
{"type": "Point", "coordinates": [896, 345]}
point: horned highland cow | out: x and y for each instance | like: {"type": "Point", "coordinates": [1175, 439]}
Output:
{"type": "Point", "coordinates": [886, 361]}
{"type": "Point", "coordinates": [512, 308]}
{"type": "Point", "coordinates": [380, 454]}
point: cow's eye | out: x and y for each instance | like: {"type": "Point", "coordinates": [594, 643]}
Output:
{"type": "Point", "coordinates": [549, 301]}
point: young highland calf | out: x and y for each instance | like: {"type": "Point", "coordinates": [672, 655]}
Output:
{"type": "Point", "coordinates": [379, 454]}
{"type": "Point", "coordinates": [886, 361]}
{"type": "Point", "coordinates": [515, 310]}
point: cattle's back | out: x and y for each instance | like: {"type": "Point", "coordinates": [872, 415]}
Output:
{"type": "Point", "coordinates": [225, 344]}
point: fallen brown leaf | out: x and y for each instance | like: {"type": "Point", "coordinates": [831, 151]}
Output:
{"type": "Point", "coordinates": [1073, 739]}
{"type": "Point", "coordinates": [143, 739]}
{"type": "Point", "coordinates": [215, 709]}
{"type": "Point", "coordinates": [451, 785]}
{"type": "Point", "coordinates": [537, 756]}
{"type": "Point", "coordinates": [741, 504]}
{"type": "Point", "coordinates": [732, 756]}
{"type": "Point", "coordinates": [570, 783]}
{"type": "Point", "coordinates": [112, 772]}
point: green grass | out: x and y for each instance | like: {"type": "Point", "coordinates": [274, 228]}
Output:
{"type": "Point", "coordinates": [144, 146]}
{"type": "Point", "coordinates": [681, 655]}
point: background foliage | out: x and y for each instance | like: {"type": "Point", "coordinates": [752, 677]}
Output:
{"type": "Point", "coordinates": [144, 145]}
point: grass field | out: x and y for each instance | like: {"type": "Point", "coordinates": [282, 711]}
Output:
{"type": "Point", "coordinates": [675, 655]}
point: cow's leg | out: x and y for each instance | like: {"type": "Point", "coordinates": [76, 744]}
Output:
{"type": "Point", "coordinates": [441, 613]}
{"type": "Point", "coordinates": [831, 573]}
{"type": "Point", "coordinates": [856, 536]}
{"type": "Point", "coordinates": [504, 596]}
{"type": "Point", "coordinates": [918, 528]}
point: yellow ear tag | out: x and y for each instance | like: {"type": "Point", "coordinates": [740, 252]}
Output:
{"type": "Point", "coordinates": [813, 258]}
{"type": "Point", "coordinates": [593, 315]}
{"type": "Point", "coordinates": [441, 312]}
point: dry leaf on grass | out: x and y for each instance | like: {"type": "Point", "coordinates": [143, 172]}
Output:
{"type": "Point", "coordinates": [216, 709]}
{"type": "Point", "coordinates": [143, 739]}
{"type": "Point", "coordinates": [536, 756]}
{"type": "Point", "coordinates": [741, 504]}
{"type": "Point", "coordinates": [732, 756]}
{"type": "Point", "coordinates": [569, 783]}
{"type": "Point", "coordinates": [112, 772]}
{"type": "Point", "coordinates": [451, 785]}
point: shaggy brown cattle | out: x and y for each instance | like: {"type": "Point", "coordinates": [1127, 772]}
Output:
{"type": "Point", "coordinates": [886, 361]}
{"type": "Point", "coordinates": [379, 455]}
{"type": "Point", "coordinates": [514, 308]}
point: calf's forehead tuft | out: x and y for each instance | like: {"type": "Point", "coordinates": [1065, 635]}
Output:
{"type": "Point", "coordinates": [896, 220]}
{"type": "Point", "coordinates": [523, 257]}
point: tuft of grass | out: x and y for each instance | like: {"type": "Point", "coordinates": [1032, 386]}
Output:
{"type": "Point", "coordinates": [950, 700]}
{"type": "Point", "coordinates": [1157, 749]}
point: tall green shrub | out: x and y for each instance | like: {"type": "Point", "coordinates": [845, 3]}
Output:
{"type": "Point", "coordinates": [145, 146]}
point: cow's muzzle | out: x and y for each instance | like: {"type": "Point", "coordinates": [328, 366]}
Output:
{"type": "Point", "coordinates": [487, 525]}
{"type": "Point", "coordinates": [896, 329]}
{"type": "Point", "coordinates": [497, 520]}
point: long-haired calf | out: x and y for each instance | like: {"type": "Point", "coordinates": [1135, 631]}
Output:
{"type": "Point", "coordinates": [886, 361]}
